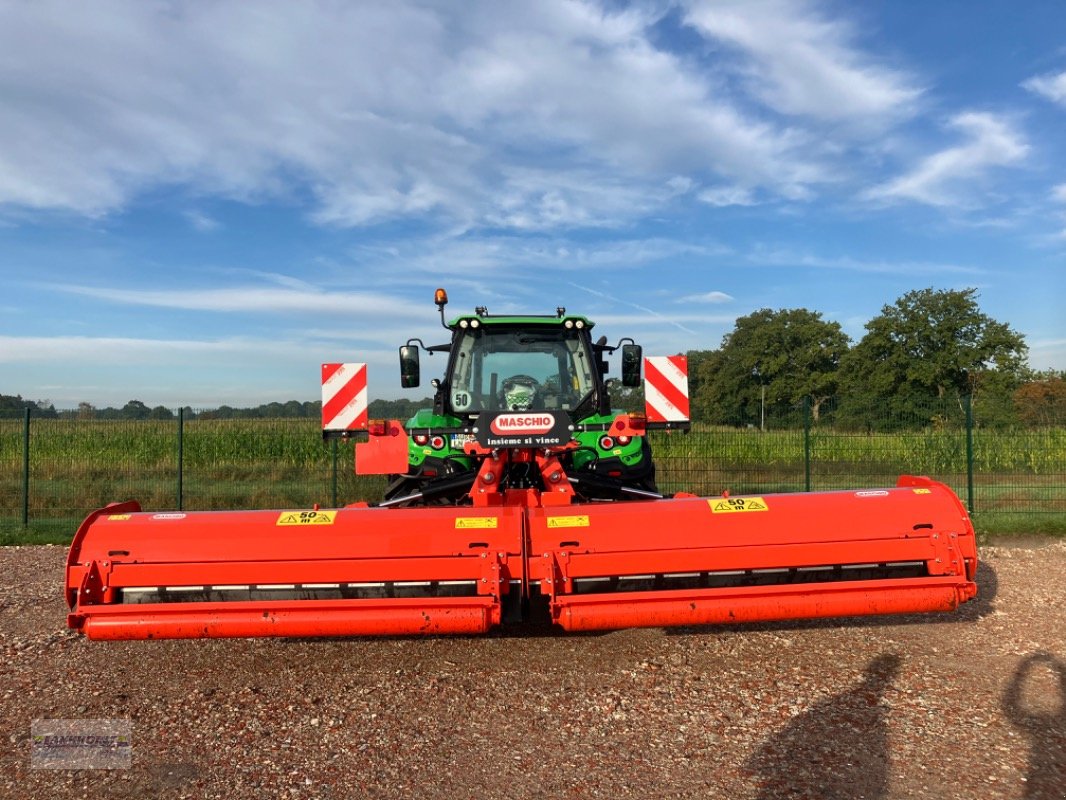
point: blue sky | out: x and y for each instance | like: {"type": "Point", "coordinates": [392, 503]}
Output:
{"type": "Point", "coordinates": [201, 202]}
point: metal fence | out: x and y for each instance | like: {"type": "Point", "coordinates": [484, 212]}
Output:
{"type": "Point", "coordinates": [55, 471]}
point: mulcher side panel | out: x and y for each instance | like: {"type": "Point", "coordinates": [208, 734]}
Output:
{"type": "Point", "coordinates": [716, 560]}
{"type": "Point", "coordinates": [354, 571]}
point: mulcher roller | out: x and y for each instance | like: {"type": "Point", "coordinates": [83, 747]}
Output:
{"type": "Point", "coordinates": [364, 570]}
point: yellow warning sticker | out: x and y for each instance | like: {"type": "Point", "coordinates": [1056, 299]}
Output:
{"type": "Point", "coordinates": [732, 505]}
{"type": "Point", "coordinates": [118, 517]}
{"type": "Point", "coordinates": [476, 522]}
{"type": "Point", "coordinates": [306, 518]}
{"type": "Point", "coordinates": [568, 522]}
{"type": "Point", "coordinates": [923, 491]}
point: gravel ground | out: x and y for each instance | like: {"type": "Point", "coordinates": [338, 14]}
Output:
{"type": "Point", "coordinates": [967, 705]}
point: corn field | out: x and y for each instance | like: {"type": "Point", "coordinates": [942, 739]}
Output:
{"type": "Point", "coordinates": [1015, 478]}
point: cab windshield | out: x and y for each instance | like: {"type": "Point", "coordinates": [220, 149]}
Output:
{"type": "Point", "coordinates": [496, 368]}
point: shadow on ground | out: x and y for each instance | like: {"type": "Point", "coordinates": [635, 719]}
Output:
{"type": "Point", "coordinates": [838, 748]}
{"type": "Point", "coordinates": [1038, 708]}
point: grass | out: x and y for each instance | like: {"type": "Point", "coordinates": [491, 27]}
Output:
{"type": "Point", "coordinates": [1014, 523]}
{"type": "Point", "coordinates": [52, 531]}
{"type": "Point", "coordinates": [77, 466]}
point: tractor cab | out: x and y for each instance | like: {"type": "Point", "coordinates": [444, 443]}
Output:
{"type": "Point", "coordinates": [521, 365]}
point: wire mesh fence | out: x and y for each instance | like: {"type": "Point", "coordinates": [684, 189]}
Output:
{"type": "Point", "coordinates": [1011, 478]}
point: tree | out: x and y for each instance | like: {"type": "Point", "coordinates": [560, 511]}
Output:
{"type": "Point", "coordinates": [45, 409]}
{"type": "Point", "coordinates": [697, 370]}
{"type": "Point", "coordinates": [702, 368]}
{"type": "Point", "coordinates": [931, 348]}
{"type": "Point", "coordinates": [1041, 402]}
{"type": "Point", "coordinates": [135, 409]}
{"type": "Point", "coordinates": [771, 361]}
{"type": "Point", "coordinates": [13, 406]}
{"type": "Point", "coordinates": [160, 412]}
{"type": "Point", "coordinates": [626, 398]}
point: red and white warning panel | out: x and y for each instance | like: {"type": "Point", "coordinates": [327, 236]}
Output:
{"type": "Point", "coordinates": [666, 388]}
{"type": "Point", "coordinates": [344, 397]}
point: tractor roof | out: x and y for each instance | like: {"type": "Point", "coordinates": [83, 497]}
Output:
{"type": "Point", "coordinates": [522, 319]}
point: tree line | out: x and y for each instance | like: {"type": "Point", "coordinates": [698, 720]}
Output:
{"type": "Point", "coordinates": [14, 406]}
{"type": "Point", "coordinates": [922, 360]}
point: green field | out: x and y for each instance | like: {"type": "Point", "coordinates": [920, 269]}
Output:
{"type": "Point", "coordinates": [1019, 477]}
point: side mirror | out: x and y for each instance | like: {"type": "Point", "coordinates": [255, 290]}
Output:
{"type": "Point", "coordinates": [410, 375]}
{"type": "Point", "coordinates": [632, 358]}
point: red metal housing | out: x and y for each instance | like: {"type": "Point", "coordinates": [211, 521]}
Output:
{"type": "Point", "coordinates": [332, 578]}
{"type": "Point", "coordinates": [365, 571]}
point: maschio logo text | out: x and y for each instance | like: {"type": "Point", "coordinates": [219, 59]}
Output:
{"type": "Point", "coordinates": [522, 424]}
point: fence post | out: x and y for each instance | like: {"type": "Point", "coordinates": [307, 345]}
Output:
{"type": "Point", "coordinates": [969, 453]}
{"type": "Point", "coordinates": [26, 468]}
{"type": "Point", "coordinates": [181, 458]}
{"type": "Point", "coordinates": [806, 444]}
{"type": "Point", "coordinates": [333, 504]}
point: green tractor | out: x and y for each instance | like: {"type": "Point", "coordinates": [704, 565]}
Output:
{"type": "Point", "coordinates": [521, 364]}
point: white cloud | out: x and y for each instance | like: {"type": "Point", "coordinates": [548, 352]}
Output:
{"type": "Point", "coordinates": [202, 222]}
{"type": "Point", "coordinates": [251, 299]}
{"type": "Point", "coordinates": [801, 63]}
{"type": "Point", "coordinates": [778, 257]}
{"type": "Point", "coordinates": [103, 349]}
{"type": "Point", "coordinates": [706, 297]}
{"type": "Point", "coordinates": [481, 257]}
{"type": "Point", "coordinates": [521, 116]}
{"type": "Point", "coordinates": [948, 177]}
{"type": "Point", "coordinates": [1051, 87]}
{"type": "Point", "coordinates": [534, 199]}
{"type": "Point", "coordinates": [727, 196]}
{"type": "Point", "coordinates": [649, 315]}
